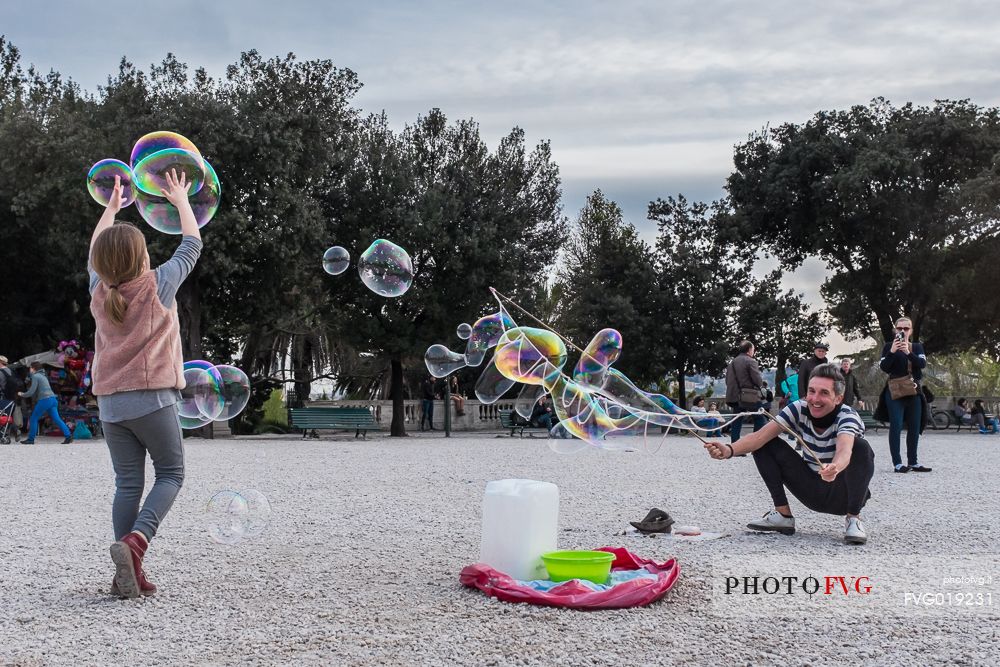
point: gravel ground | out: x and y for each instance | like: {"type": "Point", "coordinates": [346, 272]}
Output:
{"type": "Point", "coordinates": [360, 563]}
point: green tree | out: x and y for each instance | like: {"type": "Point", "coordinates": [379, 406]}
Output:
{"type": "Point", "coordinates": [469, 218]}
{"type": "Point", "coordinates": [780, 324]}
{"type": "Point", "coordinates": [607, 278]}
{"type": "Point", "coordinates": [893, 199]}
{"type": "Point", "coordinates": [703, 273]}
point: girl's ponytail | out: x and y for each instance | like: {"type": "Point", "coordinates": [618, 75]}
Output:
{"type": "Point", "coordinates": [118, 256]}
{"type": "Point", "coordinates": [114, 305]}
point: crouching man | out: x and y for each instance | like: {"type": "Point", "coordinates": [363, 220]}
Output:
{"type": "Point", "coordinates": [837, 483]}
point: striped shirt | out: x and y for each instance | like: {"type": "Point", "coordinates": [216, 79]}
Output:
{"type": "Point", "coordinates": [795, 416]}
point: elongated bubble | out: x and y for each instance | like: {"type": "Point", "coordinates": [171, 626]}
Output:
{"type": "Point", "coordinates": [485, 334]}
{"type": "Point", "coordinates": [491, 384]}
{"type": "Point", "coordinates": [602, 351]}
{"type": "Point", "coordinates": [524, 404]}
{"type": "Point", "coordinates": [442, 362]}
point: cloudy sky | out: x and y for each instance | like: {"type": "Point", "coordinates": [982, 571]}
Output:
{"type": "Point", "coordinates": [640, 99]}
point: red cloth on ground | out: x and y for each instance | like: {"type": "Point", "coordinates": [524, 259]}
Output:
{"type": "Point", "coordinates": [573, 594]}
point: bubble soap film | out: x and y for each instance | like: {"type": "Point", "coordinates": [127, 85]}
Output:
{"type": "Point", "coordinates": [595, 402]}
{"type": "Point", "coordinates": [153, 155]}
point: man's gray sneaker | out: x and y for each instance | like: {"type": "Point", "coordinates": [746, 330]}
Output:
{"type": "Point", "coordinates": [774, 521]}
{"type": "Point", "coordinates": [854, 532]}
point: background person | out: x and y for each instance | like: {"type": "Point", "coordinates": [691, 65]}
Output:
{"type": "Point", "coordinates": [428, 392]}
{"type": "Point", "coordinates": [10, 387]}
{"type": "Point", "coordinates": [456, 397]}
{"type": "Point", "coordinates": [852, 392]}
{"type": "Point", "coordinates": [543, 415]}
{"type": "Point", "coordinates": [901, 358]}
{"type": "Point", "coordinates": [790, 387]}
{"type": "Point", "coordinates": [45, 403]}
{"type": "Point", "coordinates": [805, 368]}
{"type": "Point", "coordinates": [979, 418]}
{"type": "Point", "coordinates": [743, 383]}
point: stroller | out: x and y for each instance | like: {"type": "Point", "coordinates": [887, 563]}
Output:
{"type": "Point", "coordinates": [7, 421]}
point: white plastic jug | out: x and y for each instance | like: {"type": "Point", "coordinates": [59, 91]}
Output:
{"type": "Point", "coordinates": [520, 523]}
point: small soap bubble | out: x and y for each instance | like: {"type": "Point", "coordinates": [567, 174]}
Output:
{"type": "Point", "coordinates": [386, 269]}
{"type": "Point", "coordinates": [101, 181]}
{"type": "Point", "coordinates": [151, 173]}
{"type": "Point", "coordinates": [336, 260]}
{"type": "Point", "coordinates": [464, 330]}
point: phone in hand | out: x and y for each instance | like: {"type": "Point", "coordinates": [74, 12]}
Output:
{"type": "Point", "coordinates": [900, 337]}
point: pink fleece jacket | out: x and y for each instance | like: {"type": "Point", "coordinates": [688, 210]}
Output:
{"type": "Point", "coordinates": [144, 351]}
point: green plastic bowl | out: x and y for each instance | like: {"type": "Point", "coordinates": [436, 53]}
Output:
{"type": "Point", "coordinates": [593, 566]}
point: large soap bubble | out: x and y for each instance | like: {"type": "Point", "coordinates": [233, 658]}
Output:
{"type": "Point", "coordinates": [101, 181]}
{"type": "Point", "coordinates": [214, 393]}
{"type": "Point", "coordinates": [386, 269]}
{"type": "Point", "coordinates": [154, 142]}
{"type": "Point", "coordinates": [336, 260]}
{"type": "Point", "coordinates": [226, 515]}
{"type": "Point", "coordinates": [235, 391]}
{"type": "Point", "coordinates": [151, 173]}
{"type": "Point", "coordinates": [258, 512]}
{"type": "Point", "coordinates": [163, 216]}
{"type": "Point", "coordinates": [233, 516]}
{"type": "Point", "coordinates": [201, 397]}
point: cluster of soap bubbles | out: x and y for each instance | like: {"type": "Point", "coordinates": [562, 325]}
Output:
{"type": "Point", "coordinates": [593, 402]}
{"type": "Point", "coordinates": [234, 516]}
{"type": "Point", "coordinates": [212, 393]}
{"type": "Point", "coordinates": [145, 178]}
{"type": "Point", "coordinates": [385, 268]}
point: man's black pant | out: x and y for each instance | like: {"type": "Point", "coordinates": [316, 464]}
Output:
{"type": "Point", "coordinates": [782, 467]}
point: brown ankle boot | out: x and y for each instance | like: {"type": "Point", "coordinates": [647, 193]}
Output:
{"type": "Point", "coordinates": [127, 554]}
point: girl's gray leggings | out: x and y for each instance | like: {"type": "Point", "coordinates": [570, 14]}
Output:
{"type": "Point", "coordinates": [159, 434]}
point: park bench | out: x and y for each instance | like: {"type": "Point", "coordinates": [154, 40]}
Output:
{"type": "Point", "coordinates": [507, 421]}
{"type": "Point", "coordinates": [359, 420]}
{"type": "Point", "coordinates": [868, 419]}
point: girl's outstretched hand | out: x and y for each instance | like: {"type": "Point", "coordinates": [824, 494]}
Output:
{"type": "Point", "coordinates": [117, 195]}
{"type": "Point", "coordinates": [176, 191]}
